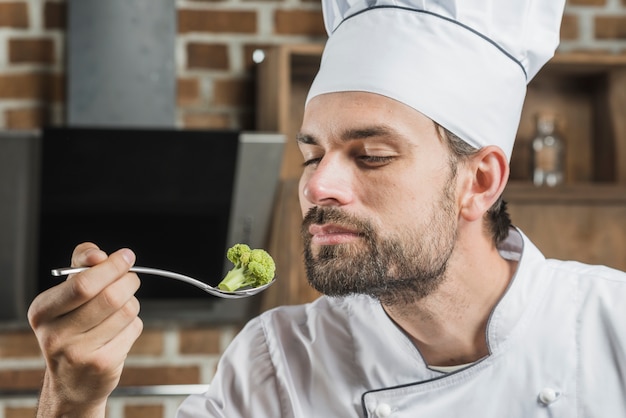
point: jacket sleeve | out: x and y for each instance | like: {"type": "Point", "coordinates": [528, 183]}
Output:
{"type": "Point", "coordinates": [244, 384]}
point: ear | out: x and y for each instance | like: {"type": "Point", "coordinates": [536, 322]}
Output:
{"type": "Point", "coordinates": [488, 172]}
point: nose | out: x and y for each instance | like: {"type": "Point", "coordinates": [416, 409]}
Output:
{"type": "Point", "coordinates": [328, 184]}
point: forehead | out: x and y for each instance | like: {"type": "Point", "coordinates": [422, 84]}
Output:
{"type": "Point", "coordinates": [362, 115]}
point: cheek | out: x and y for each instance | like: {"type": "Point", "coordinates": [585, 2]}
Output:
{"type": "Point", "coordinates": [387, 201]}
{"type": "Point", "coordinates": [305, 205]}
{"type": "Point", "coordinates": [399, 202]}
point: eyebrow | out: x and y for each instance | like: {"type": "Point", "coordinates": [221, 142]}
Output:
{"type": "Point", "coordinates": [351, 134]}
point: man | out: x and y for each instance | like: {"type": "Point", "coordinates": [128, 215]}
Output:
{"type": "Point", "coordinates": [435, 306]}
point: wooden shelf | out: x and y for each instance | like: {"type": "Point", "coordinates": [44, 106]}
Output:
{"type": "Point", "coordinates": [585, 62]}
{"type": "Point", "coordinates": [588, 92]}
{"type": "Point", "coordinates": [584, 193]}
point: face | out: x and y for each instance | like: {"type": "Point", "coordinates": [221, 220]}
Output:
{"type": "Point", "coordinates": [378, 198]}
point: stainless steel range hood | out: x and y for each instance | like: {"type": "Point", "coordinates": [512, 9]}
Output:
{"type": "Point", "coordinates": [121, 68]}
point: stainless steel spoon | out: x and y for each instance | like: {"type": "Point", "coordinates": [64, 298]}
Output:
{"type": "Point", "coordinates": [237, 294]}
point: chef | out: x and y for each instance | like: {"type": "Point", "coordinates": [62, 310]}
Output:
{"type": "Point", "coordinates": [434, 304]}
{"type": "Point", "coordinates": [491, 328]}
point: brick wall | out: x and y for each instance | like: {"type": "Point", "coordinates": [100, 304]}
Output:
{"type": "Point", "coordinates": [594, 25]}
{"type": "Point", "coordinates": [31, 63]}
{"type": "Point", "coordinates": [215, 90]}
{"type": "Point", "coordinates": [162, 356]}
{"type": "Point", "coordinates": [214, 48]}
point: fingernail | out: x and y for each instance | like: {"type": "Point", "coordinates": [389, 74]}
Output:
{"type": "Point", "coordinates": [128, 255]}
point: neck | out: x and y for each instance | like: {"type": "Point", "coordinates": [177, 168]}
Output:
{"type": "Point", "coordinates": [449, 326]}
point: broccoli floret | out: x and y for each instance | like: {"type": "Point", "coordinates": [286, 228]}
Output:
{"type": "Point", "coordinates": [252, 268]}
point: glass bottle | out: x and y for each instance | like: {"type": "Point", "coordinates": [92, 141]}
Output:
{"type": "Point", "coordinates": [547, 152]}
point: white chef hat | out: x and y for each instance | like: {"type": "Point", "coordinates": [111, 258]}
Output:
{"type": "Point", "coordinates": [463, 63]}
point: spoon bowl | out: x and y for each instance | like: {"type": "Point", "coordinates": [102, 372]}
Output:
{"type": "Point", "coordinates": [237, 294]}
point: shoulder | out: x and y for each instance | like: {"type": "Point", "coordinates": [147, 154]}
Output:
{"type": "Point", "coordinates": [586, 289]}
{"type": "Point", "coordinates": [597, 291]}
{"type": "Point", "coordinates": [535, 263]}
{"type": "Point", "coordinates": [588, 274]}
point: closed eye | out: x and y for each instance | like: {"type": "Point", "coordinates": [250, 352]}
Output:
{"type": "Point", "coordinates": [311, 161]}
{"type": "Point", "coordinates": [375, 160]}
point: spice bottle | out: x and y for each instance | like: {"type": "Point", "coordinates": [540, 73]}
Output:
{"type": "Point", "coordinates": [548, 152]}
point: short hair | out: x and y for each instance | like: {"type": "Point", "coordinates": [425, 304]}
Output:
{"type": "Point", "coordinates": [498, 220]}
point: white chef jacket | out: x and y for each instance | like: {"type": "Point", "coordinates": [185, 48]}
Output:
{"type": "Point", "coordinates": [557, 344]}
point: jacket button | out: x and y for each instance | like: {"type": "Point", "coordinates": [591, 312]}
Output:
{"type": "Point", "coordinates": [547, 396]}
{"type": "Point", "coordinates": [383, 410]}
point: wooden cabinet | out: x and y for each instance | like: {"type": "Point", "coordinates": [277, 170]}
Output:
{"type": "Point", "coordinates": [583, 220]}
{"type": "Point", "coordinates": [588, 94]}
{"type": "Point", "coordinates": [283, 81]}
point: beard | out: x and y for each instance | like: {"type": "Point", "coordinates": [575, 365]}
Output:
{"type": "Point", "coordinates": [396, 270]}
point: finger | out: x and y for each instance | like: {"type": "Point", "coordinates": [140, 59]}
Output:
{"type": "Point", "coordinates": [85, 286]}
{"type": "Point", "coordinates": [109, 301]}
{"type": "Point", "coordinates": [42, 308]}
{"type": "Point", "coordinates": [112, 355]}
{"type": "Point", "coordinates": [109, 329]}
{"type": "Point", "coordinates": [87, 254]}
{"type": "Point", "coordinates": [64, 345]}
{"type": "Point", "coordinates": [62, 341]}
{"type": "Point", "coordinates": [119, 346]}
{"type": "Point", "coordinates": [79, 288]}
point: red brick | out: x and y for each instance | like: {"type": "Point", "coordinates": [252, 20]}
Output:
{"type": "Point", "coordinates": [19, 412]}
{"type": "Point", "coordinates": [21, 379]}
{"type": "Point", "coordinates": [31, 50]}
{"type": "Point", "coordinates": [14, 14]}
{"type": "Point", "coordinates": [54, 15]}
{"type": "Point", "coordinates": [299, 22]}
{"type": "Point", "coordinates": [207, 56]}
{"type": "Point", "coordinates": [150, 342]}
{"type": "Point", "coordinates": [206, 120]}
{"type": "Point", "coordinates": [32, 85]}
{"type": "Point", "coordinates": [610, 27]}
{"type": "Point", "coordinates": [26, 118]}
{"type": "Point", "coordinates": [233, 92]}
{"type": "Point", "coordinates": [143, 411]}
{"type": "Point", "coordinates": [160, 375]}
{"type": "Point", "coordinates": [19, 344]}
{"type": "Point", "coordinates": [200, 341]}
{"type": "Point", "coordinates": [216, 21]}
{"type": "Point", "coordinates": [187, 91]}
{"type": "Point", "coordinates": [569, 27]}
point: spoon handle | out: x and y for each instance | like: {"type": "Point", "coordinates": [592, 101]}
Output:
{"type": "Point", "coordinates": [177, 276]}
{"type": "Point", "coordinates": [136, 269]}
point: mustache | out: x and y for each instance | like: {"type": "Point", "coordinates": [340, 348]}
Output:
{"type": "Point", "coordinates": [322, 215]}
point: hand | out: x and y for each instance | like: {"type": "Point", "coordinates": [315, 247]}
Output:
{"type": "Point", "coordinates": [85, 327]}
